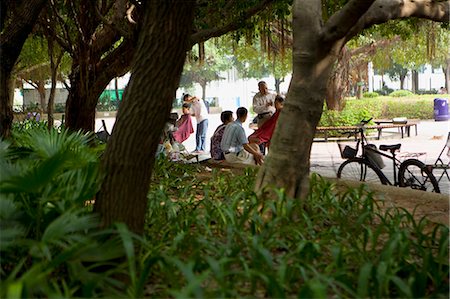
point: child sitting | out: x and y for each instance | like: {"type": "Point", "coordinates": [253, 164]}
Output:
{"type": "Point", "coordinates": [216, 152]}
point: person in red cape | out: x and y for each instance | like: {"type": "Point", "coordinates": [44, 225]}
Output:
{"type": "Point", "coordinates": [184, 125]}
{"type": "Point", "coordinates": [265, 132]}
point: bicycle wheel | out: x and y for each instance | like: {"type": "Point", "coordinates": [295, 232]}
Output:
{"type": "Point", "coordinates": [358, 169]}
{"type": "Point", "coordinates": [417, 175]}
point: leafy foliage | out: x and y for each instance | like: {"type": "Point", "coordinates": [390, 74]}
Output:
{"type": "Point", "coordinates": [216, 238]}
{"type": "Point", "coordinates": [370, 95]}
{"type": "Point", "coordinates": [414, 107]}
{"type": "Point", "coordinates": [206, 236]}
{"type": "Point", "coordinates": [401, 93]}
{"type": "Point", "coordinates": [50, 244]}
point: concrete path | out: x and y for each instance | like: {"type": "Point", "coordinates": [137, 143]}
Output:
{"type": "Point", "coordinates": [325, 156]}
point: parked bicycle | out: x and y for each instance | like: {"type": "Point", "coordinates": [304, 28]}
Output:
{"type": "Point", "coordinates": [367, 166]}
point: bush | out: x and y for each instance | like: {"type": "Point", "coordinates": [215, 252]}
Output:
{"type": "Point", "coordinates": [401, 93]}
{"type": "Point", "coordinates": [385, 108]}
{"type": "Point", "coordinates": [384, 91]}
{"type": "Point", "coordinates": [370, 95]}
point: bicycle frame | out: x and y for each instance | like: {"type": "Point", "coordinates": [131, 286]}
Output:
{"type": "Point", "coordinates": [362, 140]}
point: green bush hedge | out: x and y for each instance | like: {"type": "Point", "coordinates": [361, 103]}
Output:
{"type": "Point", "coordinates": [370, 95]}
{"type": "Point", "coordinates": [401, 93]}
{"type": "Point", "coordinates": [380, 107]}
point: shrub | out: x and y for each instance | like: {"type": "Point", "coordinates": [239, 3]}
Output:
{"type": "Point", "coordinates": [50, 243]}
{"type": "Point", "coordinates": [370, 95]}
{"type": "Point", "coordinates": [401, 93]}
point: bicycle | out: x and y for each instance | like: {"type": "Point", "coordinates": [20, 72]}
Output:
{"type": "Point", "coordinates": [367, 167]}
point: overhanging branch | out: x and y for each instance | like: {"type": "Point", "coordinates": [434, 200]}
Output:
{"type": "Point", "coordinates": [234, 24]}
{"type": "Point", "coordinates": [384, 10]}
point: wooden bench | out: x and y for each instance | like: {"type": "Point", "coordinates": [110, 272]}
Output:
{"type": "Point", "coordinates": [403, 127]}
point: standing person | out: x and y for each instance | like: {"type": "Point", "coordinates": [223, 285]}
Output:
{"type": "Point", "coordinates": [201, 114]}
{"type": "Point", "coordinates": [216, 151]}
{"type": "Point", "coordinates": [235, 145]}
{"type": "Point", "coordinates": [263, 103]}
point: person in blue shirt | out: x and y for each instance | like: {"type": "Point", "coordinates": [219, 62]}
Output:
{"type": "Point", "coordinates": [235, 145]}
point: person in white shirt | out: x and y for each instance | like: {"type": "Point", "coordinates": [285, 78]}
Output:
{"type": "Point", "coordinates": [263, 103]}
{"type": "Point", "coordinates": [200, 112]}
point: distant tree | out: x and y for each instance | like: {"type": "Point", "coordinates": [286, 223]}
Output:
{"type": "Point", "coordinates": [398, 72]}
{"type": "Point", "coordinates": [203, 65]}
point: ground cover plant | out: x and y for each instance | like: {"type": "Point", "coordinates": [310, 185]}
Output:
{"type": "Point", "coordinates": [207, 234]}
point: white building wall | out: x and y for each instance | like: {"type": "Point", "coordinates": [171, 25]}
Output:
{"type": "Point", "coordinates": [429, 79]}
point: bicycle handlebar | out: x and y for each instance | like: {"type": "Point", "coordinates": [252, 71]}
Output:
{"type": "Point", "coordinates": [365, 122]}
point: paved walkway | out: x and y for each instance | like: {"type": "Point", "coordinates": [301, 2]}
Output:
{"type": "Point", "coordinates": [325, 156]}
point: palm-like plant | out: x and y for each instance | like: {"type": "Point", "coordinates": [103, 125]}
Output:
{"type": "Point", "coordinates": [50, 241]}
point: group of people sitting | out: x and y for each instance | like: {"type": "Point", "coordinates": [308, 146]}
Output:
{"type": "Point", "coordinates": [229, 141]}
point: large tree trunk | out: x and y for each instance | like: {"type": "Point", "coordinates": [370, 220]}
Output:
{"type": "Point", "coordinates": [287, 164]}
{"type": "Point", "coordinates": [14, 32]}
{"type": "Point", "coordinates": [130, 154]}
{"type": "Point", "coordinates": [81, 103]}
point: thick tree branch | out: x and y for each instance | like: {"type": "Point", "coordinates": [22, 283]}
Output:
{"type": "Point", "coordinates": [234, 24]}
{"type": "Point", "coordinates": [342, 21]}
{"type": "Point", "coordinates": [113, 29]}
{"type": "Point", "coordinates": [16, 32]}
{"type": "Point", "coordinates": [382, 11]}
{"type": "Point", "coordinates": [115, 64]}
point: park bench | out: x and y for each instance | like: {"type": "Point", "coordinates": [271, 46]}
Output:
{"type": "Point", "coordinates": [403, 127]}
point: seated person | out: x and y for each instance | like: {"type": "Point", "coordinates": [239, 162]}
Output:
{"type": "Point", "coordinates": [184, 125]}
{"type": "Point", "coordinates": [235, 145]}
{"type": "Point", "coordinates": [216, 152]}
{"type": "Point", "coordinates": [264, 134]}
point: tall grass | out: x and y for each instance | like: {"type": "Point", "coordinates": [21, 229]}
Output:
{"type": "Point", "coordinates": [221, 240]}
{"type": "Point", "coordinates": [206, 235]}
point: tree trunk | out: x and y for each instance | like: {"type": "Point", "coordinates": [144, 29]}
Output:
{"type": "Point", "coordinates": [295, 130]}
{"type": "Point", "coordinates": [6, 109]}
{"type": "Point", "coordinates": [130, 154]}
{"type": "Point", "coordinates": [54, 65]}
{"type": "Point", "coordinates": [42, 96]}
{"type": "Point", "coordinates": [447, 74]}
{"type": "Point", "coordinates": [402, 81]}
{"type": "Point", "coordinates": [14, 32]}
{"type": "Point", "coordinates": [338, 83]}
{"type": "Point", "coordinates": [80, 105]}
{"type": "Point", "coordinates": [203, 85]}
{"type": "Point", "coordinates": [415, 81]}
{"type": "Point", "coordinates": [278, 82]}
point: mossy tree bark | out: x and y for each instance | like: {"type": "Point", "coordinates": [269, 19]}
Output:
{"type": "Point", "coordinates": [130, 155]}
